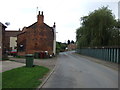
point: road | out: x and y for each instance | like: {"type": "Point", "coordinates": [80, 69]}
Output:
{"type": "Point", "coordinates": [73, 71]}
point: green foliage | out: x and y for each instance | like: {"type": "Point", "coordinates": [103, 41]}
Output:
{"type": "Point", "coordinates": [60, 47]}
{"type": "Point", "coordinates": [68, 42]}
{"type": "Point", "coordinates": [98, 29]}
{"type": "Point", "coordinates": [57, 47]}
{"type": "Point", "coordinates": [19, 56]}
{"type": "Point", "coordinates": [115, 35]}
{"type": "Point", "coordinates": [72, 42]}
{"type": "Point", "coordinates": [23, 77]}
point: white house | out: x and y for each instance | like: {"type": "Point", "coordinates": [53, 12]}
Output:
{"type": "Point", "coordinates": [13, 43]}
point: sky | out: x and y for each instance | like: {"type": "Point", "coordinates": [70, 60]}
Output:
{"type": "Point", "coordinates": [66, 14]}
{"type": "Point", "coordinates": [119, 9]}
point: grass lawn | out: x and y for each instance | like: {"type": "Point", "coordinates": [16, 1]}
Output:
{"type": "Point", "coordinates": [23, 77]}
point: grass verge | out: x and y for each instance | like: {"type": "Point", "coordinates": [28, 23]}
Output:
{"type": "Point", "coordinates": [19, 56]}
{"type": "Point", "coordinates": [23, 77]}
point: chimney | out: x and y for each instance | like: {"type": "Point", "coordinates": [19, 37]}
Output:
{"type": "Point", "coordinates": [40, 18]}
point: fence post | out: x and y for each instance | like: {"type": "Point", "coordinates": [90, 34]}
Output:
{"type": "Point", "coordinates": [118, 55]}
{"type": "Point", "coordinates": [115, 55]}
{"type": "Point", "coordinates": [108, 54]}
{"type": "Point", "coordinates": [112, 55]}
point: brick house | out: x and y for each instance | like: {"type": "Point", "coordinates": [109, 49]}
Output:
{"type": "Point", "coordinates": [71, 46]}
{"type": "Point", "coordinates": [2, 40]}
{"type": "Point", "coordinates": [10, 39]}
{"type": "Point", "coordinates": [38, 37]}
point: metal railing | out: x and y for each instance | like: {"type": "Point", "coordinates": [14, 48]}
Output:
{"type": "Point", "coordinates": [111, 54]}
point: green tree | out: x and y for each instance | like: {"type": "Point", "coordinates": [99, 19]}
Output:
{"type": "Point", "coordinates": [115, 35]}
{"type": "Point", "coordinates": [97, 28]}
{"type": "Point", "coordinates": [60, 47]}
{"type": "Point", "coordinates": [68, 42]}
{"type": "Point", "coordinates": [72, 42]}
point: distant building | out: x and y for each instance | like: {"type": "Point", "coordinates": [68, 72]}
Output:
{"type": "Point", "coordinates": [10, 39]}
{"type": "Point", "coordinates": [119, 10]}
{"type": "Point", "coordinates": [2, 40]}
{"type": "Point", "coordinates": [13, 43]}
{"type": "Point", "coordinates": [71, 46]}
{"type": "Point", "coordinates": [38, 37]}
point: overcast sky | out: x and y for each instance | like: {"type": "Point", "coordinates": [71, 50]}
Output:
{"type": "Point", "coordinates": [66, 13]}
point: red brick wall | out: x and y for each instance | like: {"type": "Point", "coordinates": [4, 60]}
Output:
{"type": "Point", "coordinates": [38, 38]}
{"type": "Point", "coordinates": [41, 39]}
{"type": "Point", "coordinates": [71, 46]}
{"type": "Point", "coordinates": [21, 40]}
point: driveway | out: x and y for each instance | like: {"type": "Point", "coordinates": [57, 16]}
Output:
{"type": "Point", "coordinates": [19, 62]}
{"type": "Point", "coordinates": [49, 63]}
{"type": "Point", "coordinates": [74, 71]}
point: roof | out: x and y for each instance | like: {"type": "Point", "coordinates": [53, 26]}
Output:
{"type": "Point", "coordinates": [3, 25]}
{"type": "Point", "coordinates": [42, 24]}
{"type": "Point", "coordinates": [48, 26]}
{"type": "Point", "coordinates": [32, 25]}
{"type": "Point", "coordinates": [21, 33]}
{"type": "Point", "coordinates": [36, 23]}
{"type": "Point", "coordinates": [12, 33]}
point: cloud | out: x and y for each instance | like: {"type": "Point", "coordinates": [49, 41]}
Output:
{"type": "Point", "coordinates": [66, 13]}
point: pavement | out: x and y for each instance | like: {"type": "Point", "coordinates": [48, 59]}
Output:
{"type": "Point", "coordinates": [74, 71]}
{"type": "Point", "coordinates": [49, 63]}
{"type": "Point", "coordinates": [8, 65]}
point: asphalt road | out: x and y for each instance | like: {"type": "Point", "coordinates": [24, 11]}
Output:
{"type": "Point", "coordinates": [73, 71]}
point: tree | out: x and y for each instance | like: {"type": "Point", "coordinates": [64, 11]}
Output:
{"type": "Point", "coordinates": [72, 42]}
{"type": "Point", "coordinates": [96, 29]}
{"type": "Point", "coordinates": [115, 35]}
{"type": "Point", "coordinates": [68, 42]}
{"type": "Point", "coordinates": [60, 47]}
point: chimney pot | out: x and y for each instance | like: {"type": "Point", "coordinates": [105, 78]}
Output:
{"type": "Point", "coordinates": [39, 12]}
{"type": "Point", "coordinates": [42, 12]}
{"type": "Point", "coordinates": [40, 17]}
